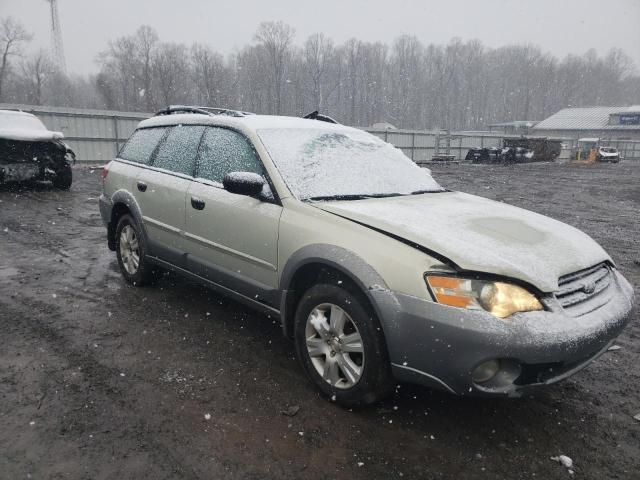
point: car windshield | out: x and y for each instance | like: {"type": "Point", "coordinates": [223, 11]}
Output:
{"type": "Point", "coordinates": [608, 150]}
{"type": "Point", "coordinates": [343, 164]}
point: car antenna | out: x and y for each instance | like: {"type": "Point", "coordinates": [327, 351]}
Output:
{"type": "Point", "coordinates": [315, 115]}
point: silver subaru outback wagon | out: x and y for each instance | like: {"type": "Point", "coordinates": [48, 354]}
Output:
{"type": "Point", "coordinates": [377, 272]}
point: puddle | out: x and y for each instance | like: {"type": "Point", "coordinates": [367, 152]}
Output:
{"type": "Point", "coordinates": [8, 272]}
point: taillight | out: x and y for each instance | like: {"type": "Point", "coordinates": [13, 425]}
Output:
{"type": "Point", "coordinates": [105, 171]}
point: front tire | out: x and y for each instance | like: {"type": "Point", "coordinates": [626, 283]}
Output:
{"type": "Point", "coordinates": [63, 178]}
{"type": "Point", "coordinates": [340, 345]}
{"type": "Point", "coordinates": [131, 252]}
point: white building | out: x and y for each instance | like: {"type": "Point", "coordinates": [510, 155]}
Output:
{"type": "Point", "coordinates": [605, 123]}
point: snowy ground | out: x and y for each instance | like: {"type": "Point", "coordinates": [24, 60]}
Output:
{"type": "Point", "coordinates": [100, 380]}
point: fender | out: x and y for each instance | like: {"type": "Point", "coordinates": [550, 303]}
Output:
{"type": "Point", "coordinates": [126, 198]}
{"type": "Point", "coordinates": [352, 266]}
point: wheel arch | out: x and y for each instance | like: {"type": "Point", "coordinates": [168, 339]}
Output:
{"type": "Point", "coordinates": [123, 203]}
{"type": "Point", "coordinates": [316, 263]}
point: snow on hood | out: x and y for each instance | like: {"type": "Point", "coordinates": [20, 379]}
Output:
{"type": "Point", "coordinates": [478, 234]}
{"type": "Point", "coordinates": [25, 127]}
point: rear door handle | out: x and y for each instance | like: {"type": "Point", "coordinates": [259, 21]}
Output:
{"type": "Point", "coordinates": [142, 186]}
{"type": "Point", "coordinates": [197, 203]}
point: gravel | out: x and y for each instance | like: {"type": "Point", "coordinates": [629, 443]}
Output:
{"type": "Point", "coordinates": [66, 412]}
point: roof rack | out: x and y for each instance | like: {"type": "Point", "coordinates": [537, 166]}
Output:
{"type": "Point", "coordinates": [315, 115]}
{"type": "Point", "coordinates": [174, 109]}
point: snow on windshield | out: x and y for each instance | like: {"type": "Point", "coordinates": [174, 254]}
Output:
{"type": "Point", "coordinates": [339, 162]}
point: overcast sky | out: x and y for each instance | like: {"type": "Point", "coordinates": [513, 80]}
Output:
{"type": "Point", "coordinates": [558, 26]}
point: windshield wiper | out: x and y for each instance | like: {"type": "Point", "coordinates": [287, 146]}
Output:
{"type": "Point", "coordinates": [360, 196]}
{"type": "Point", "coordinates": [419, 192]}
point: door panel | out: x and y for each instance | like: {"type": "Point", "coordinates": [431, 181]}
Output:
{"type": "Point", "coordinates": [163, 211]}
{"type": "Point", "coordinates": [161, 191]}
{"type": "Point", "coordinates": [233, 240]}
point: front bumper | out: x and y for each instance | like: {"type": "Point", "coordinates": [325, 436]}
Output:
{"type": "Point", "coordinates": [19, 172]}
{"type": "Point", "coordinates": [440, 346]}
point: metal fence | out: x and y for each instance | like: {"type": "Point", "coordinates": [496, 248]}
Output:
{"type": "Point", "coordinates": [423, 146]}
{"type": "Point", "coordinates": [94, 135]}
{"type": "Point", "coordinates": [97, 135]}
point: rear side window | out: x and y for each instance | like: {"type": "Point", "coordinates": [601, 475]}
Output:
{"type": "Point", "coordinates": [178, 151]}
{"type": "Point", "coordinates": [141, 145]}
{"type": "Point", "coordinates": [223, 151]}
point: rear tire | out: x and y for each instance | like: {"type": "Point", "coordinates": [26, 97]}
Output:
{"type": "Point", "coordinates": [131, 252]}
{"type": "Point", "coordinates": [63, 178]}
{"type": "Point", "coordinates": [340, 345]}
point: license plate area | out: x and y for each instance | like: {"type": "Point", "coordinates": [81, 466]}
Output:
{"type": "Point", "coordinates": [19, 172]}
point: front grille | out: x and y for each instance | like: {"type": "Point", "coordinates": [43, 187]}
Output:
{"type": "Point", "coordinates": [584, 291]}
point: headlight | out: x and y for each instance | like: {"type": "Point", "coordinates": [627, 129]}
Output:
{"type": "Point", "coordinates": [498, 298]}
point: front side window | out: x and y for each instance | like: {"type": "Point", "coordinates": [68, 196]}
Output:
{"type": "Point", "coordinates": [141, 145]}
{"type": "Point", "coordinates": [224, 151]}
{"type": "Point", "coordinates": [178, 151]}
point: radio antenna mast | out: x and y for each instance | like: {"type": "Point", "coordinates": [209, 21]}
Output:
{"type": "Point", "coordinates": [57, 48]}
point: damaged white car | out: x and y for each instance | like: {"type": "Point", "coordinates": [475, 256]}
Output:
{"type": "Point", "coordinates": [31, 152]}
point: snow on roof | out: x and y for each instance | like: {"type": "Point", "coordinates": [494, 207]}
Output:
{"type": "Point", "coordinates": [15, 125]}
{"type": "Point", "coordinates": [253, 122]}
{"type": "Point", "coordinates": [516, 124]}
{"type": "Point", "coordinates": [583, 118]}
{"type": "Point", "coordinates": [631, 109]}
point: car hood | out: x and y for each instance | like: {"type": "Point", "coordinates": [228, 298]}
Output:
{"type": "Point", "coordinates": [26, 135]}
{"type": "Point", "coordinates": [478, 234]}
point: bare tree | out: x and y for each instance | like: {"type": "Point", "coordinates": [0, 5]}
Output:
{"type": "Point", "coordinates": [171, 68]}
{"type": "Point", "coordinates": [36, 70]}
{"type": "Point", "coordinates": [208, 74]}
{"type": "Point", "coordinates": [317, 55]}
{"type": "Point", "coordinates": [252, 92]}
{"type": "Point", "coordinates": [146, 42]}
{"type": "Point", "coordinates": [353, 60]}
{"type": "Point", "coordinates": [12, 37]}
{"type": "Point", "coordinates": [119, 71]}
{"type": "Point", "coordinates": [461, 85]}
{"type": "Point", "coordinates": [276, 39]}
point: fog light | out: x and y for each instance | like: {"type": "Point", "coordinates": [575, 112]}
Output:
{"type": "Point", "coordinates": [485, 371]}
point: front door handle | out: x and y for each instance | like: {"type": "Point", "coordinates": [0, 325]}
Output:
{"type": "Point", "coordinates": [197, 203]}
{"type": "Point", "coordinates": [142, 186]}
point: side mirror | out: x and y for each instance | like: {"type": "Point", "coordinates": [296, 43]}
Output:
{"type": "Point", "coordinates": [243, 183]}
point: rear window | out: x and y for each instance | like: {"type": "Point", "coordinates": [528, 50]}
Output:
{"type": "Point", "coordinates": [141, 145]}
{"type": "Point", "coordinates": [178, 151]}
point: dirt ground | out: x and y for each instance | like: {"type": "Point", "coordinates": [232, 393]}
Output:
{"type": "Point", "coordinates": [99, 380]}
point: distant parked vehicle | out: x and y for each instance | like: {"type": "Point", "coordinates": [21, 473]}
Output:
{"type": "Point", "coordinates": [608, 154]}
{"type": "Point", "coordinates": [31, 152]}
{"type": "Point", "coordinates": [516, 155]}
{"type": "Point", "coordinates": [544, 149]}
{"type": "Point", "coordinates": [484, 155]}
{"type": "Point", "coordinates": [500, 155]}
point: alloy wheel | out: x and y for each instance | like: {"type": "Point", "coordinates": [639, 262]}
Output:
{"type": "Point", "coordinates": [129, 249]}
{"type": "Point", "coordinates": [334, 345]}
